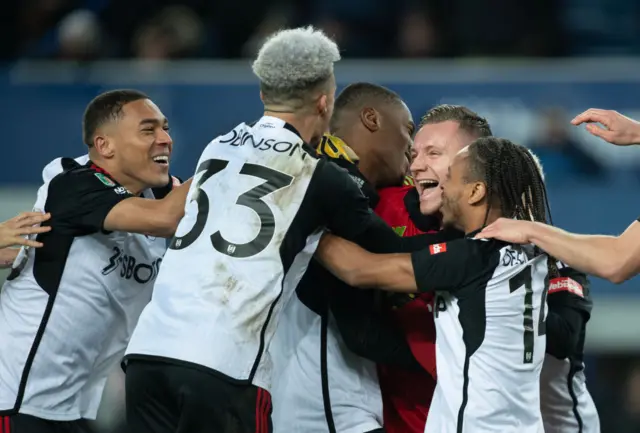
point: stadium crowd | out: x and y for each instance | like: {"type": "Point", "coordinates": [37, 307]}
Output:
{"type": "Point", "coordinates": [171, 29]}
{"type": "Point", "coordinates": [255, 345]}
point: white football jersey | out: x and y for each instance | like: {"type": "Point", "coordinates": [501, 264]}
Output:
{"type": "Point", "coordinates": [490, 343]}
{"type": "Point", "coordinates": [67, 309]}
{"type": "Point", "coordinates": [566, 404]}
{"type": "Point", "coordinates": [258, 202]}
{"type": "Point", "coordinates": [351, 402]}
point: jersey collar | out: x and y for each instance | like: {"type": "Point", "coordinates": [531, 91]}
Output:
{"type": "Point", "coordinates": [473, 233]}
{"type": "Point", "coordinates": [274, 121]}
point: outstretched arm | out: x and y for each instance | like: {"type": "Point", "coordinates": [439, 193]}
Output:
{"type": "Point", "coordinates": [616, 128]}
{"type": "Point", "coordinates": [439, 267]}
{"type": "Point", "coordinates": [147, 216]}
{"type": "Point", "coordinates": [360, 268]}
{"type": "Point", "coordinates": [615, 258]}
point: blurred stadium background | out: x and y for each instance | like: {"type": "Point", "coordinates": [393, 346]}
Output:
{"type": "Point", "coordinates": [528, 67]}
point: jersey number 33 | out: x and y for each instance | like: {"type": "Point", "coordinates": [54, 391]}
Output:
{"type": "Point", "coordinates": [273, 181]}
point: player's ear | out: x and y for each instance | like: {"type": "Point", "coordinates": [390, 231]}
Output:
{"type": "Point", "coordinates": [103, 145]}
{"type": "Point", "coordinates": [262, 96]}
{"type": "Point", "coordinates": [477, 192]}
{"type": "Point", "coordinates": [370, 118]}
{"type": "Point", "coordinates": [322, 104]}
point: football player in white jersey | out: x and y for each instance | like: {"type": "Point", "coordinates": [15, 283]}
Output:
{"type": "Point", "coordinates": [68, 307]}
{"type": "Point", "coordinates": [566, 404]}
{"type": "Point", "coordinates": [199, 358]}
{"type": "Point", "coordinates": [491, 296]}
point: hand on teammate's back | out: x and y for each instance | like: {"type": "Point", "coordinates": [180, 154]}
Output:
{"type": "Point", "coordinates": [616, 128]}
{"type": "Point", "coordinates": [507, 230]}
{"type": "Point", "coordinates": [12, 231]}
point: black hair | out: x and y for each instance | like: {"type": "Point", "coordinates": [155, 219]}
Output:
{"type": "Point", "coordinates": [104, 108]}
{"type": "Point", "coordinates": [469, 121]}
{"type": "Point", "coordinates": [357, 95]}
{"type": "Point", "coordinates": [513, 179]}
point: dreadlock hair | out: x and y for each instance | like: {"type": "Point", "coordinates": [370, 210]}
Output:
{"type": "Point", "coordinates": [514, 181]}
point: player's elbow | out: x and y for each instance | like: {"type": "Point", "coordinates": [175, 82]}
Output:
{"type": "Point", "coordinates": [166, 223]}
{"type": "Point", "coordinates": [616, 276]}
{"type": "Point", "coordinates": [620, 263]}
{"type": "Point", "coordinates": [617, 271]}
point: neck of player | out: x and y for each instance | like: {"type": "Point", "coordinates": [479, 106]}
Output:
{"type": "Point", "coordinates": [305, 125]}
{"type": "Point", "coordinates": [132, 185]}
{"type": "Point", "coordinates": [474, 220]}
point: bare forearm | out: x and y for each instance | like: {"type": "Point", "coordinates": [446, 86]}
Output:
{"type": "Point", "coordinates": [148, 216]}
{"type": "Point", "coordinates": [391, 272]}
{"type": "Point", "coordinates": [360, 268]}
{"type": "Point", "coordinates": [601, 256]}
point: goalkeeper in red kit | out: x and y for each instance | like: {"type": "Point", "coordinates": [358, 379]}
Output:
{"type": "Point", "coordinates": [412, 210]}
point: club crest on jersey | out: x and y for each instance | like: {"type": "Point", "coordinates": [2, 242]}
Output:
{"type": "Point", "coordinates": [437, 248]}
{"type": "Point", "coordinates": [104, 179]}
{"type": "Point", "coordinates": [565, 284]}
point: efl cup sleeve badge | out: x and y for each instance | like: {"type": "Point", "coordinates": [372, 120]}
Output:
{"type": "Point", "coordinates": [104, 179]}
{"type": "Point", "coordinates": [437, 248]}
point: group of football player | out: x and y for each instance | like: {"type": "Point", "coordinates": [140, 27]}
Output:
{"type": "Point", "coordinates": [330, 267]}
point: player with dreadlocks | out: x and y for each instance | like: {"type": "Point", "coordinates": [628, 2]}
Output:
{"type": "Point", "coordinates": [490, 295]}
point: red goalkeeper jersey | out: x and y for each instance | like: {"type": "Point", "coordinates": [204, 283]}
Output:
{"type": "Point", "coordinates": [406, 395]}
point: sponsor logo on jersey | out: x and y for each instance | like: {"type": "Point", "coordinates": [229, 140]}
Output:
{"type": "Point", "coordinates": [120, 190]}
{"type": "Point", "coordinates": [565, 284]}
{"type": "Point", "coordinates": [104, 179]}
{"type": "Point", "coordinates": [437, 248]}
{"type": "Point", "coordinates": [131, 268]}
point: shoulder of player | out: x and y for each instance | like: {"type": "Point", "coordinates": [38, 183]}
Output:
{"type": "Point", "coordinates": [484, 245]}
{"type": "Point", "coordinates": [73, 171]}
{"type": "Point", "coordinates": [328, 170]}
{"type": "Point", "coordinates": [469, 250]}
{"type": "Point", "coordinates": [78, 178]}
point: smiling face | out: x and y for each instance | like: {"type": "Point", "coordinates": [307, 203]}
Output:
{"type": "Point", "coordinates": [434, 148]}
{"type": "Point", "coordinates": [143, 145]}
{"type": "Point", "coordinates": [137, 145]}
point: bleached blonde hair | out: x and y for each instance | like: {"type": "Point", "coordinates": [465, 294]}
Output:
{"type": "Point", "coordinates": [293, 64]}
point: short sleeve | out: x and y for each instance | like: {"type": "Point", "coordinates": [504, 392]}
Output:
{"type": "Point", "coordinates": [80, 199]}
{"type": "Point", "coordinates": [345, 208]}
{"type": "Point", "coordinates": [451, 266]}
{"type": "Point", "coordinates": [570, 289]}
